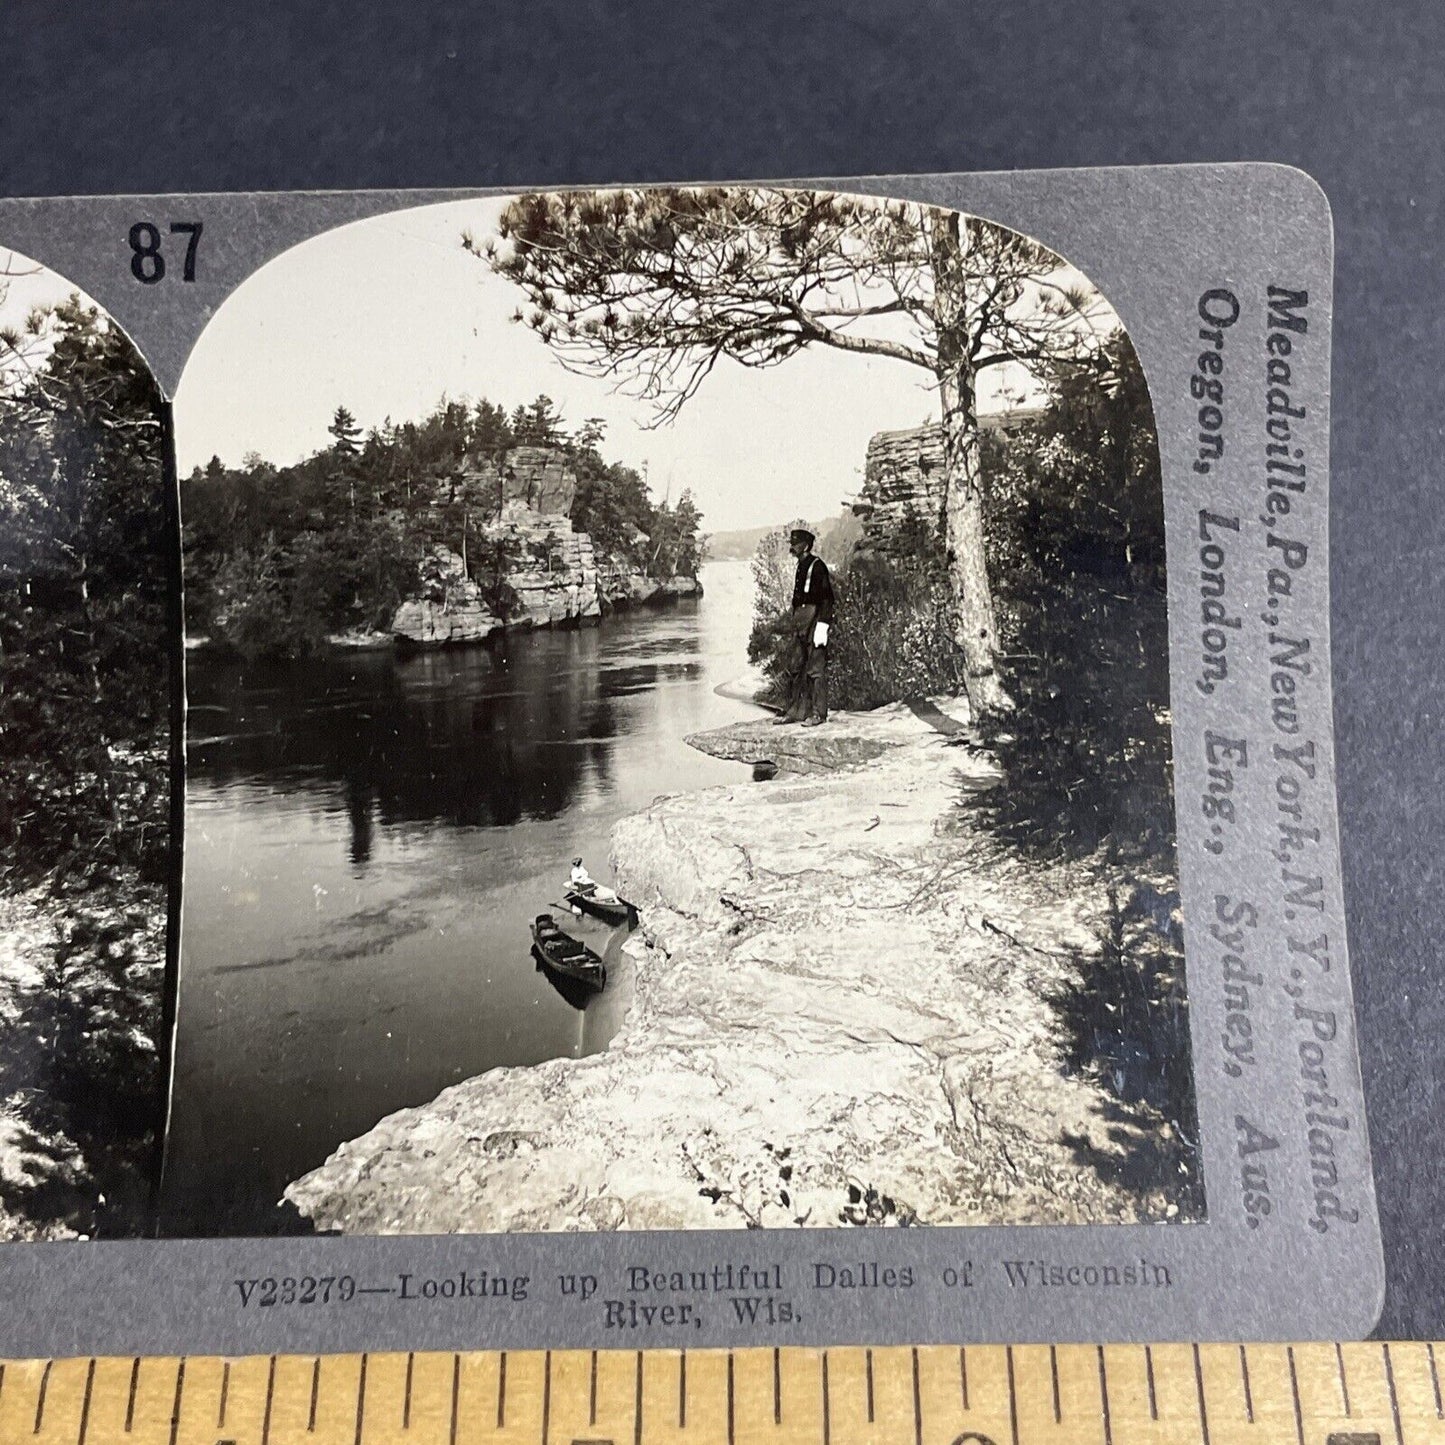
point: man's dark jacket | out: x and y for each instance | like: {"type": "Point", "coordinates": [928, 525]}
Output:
{"type": "Point", "coordinates": [813, 587]}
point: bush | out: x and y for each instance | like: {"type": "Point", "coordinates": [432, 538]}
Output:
{"type": "Point", "coordinates": [1076, 517]}
{"type": "Point", "coordinates": [891, 638]}
{"type": "Point", "coordinates": [1086, 751]}
{"type": "Point", "coordinates": [1125, 1024]}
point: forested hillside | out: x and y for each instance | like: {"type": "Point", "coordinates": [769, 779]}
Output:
{"type": "Point", "coordinates": [278, 558]}
{"type": "Point", "coordinates": [86, 558]}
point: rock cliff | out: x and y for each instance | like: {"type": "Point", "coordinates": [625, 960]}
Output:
{"type": "Point", "coordinates": [447, 608]}
{"type": "Point", "coordinates": [903, 478]}
{"type": "Point", "coordinates": [520, 502]}
{"type": "Point", "coordinates": [839, 1016]}
{"type": "Point", "coordinates": [538, 478]}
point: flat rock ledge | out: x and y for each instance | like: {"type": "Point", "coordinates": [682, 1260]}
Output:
{"type": "Point", "coordinates": [844, 741]}
{"type": "Point", "coordinates": [839, 1016]}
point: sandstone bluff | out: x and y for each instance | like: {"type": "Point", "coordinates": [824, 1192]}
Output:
{"type": "Point", "coordinates": [837, 1016]}
{"type": "Point", "coordinates": [520, 500]}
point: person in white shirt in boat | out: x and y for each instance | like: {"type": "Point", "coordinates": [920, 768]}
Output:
{"type": "Point", "coordinates": [584, 883]}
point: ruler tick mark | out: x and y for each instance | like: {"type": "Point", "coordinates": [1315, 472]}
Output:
{"type": "Point", "coordinates": [730, 1394]}
{"type": "Point", "coordinates": [1104, 1398]}
{"type": "Point", "coordinates": [270, 1396]}
{"type": "Point", "coordinates": [1429, 1355]}
{"type": "Point", "coordinates": [868, 1366]}
{"type": "Point", "coordinates": [637, 1403]}
{"type": "Point", "coordinates": [546, 1396]}
{"type": "Point", "coordinates": [40, 1402]}
{"type": "Point", "coordinates": [778, 1387]}
{"type": "Point", "coordinates": [85, 1403]}
{"type": "Point", "coordinates": [502, 1390]}
{"type": "Point", "coordinates": [827, 1421]}
{"type": "Point", "coordinates": [917, 1404]}
{"type": "Point", "coordinates": [963, 1373]}
{"type": "Point", "coordinates": [1394, 1398]}
{"type": "Point", "coordinates": [406, 1397]}
{"type": "Point", "coordinates": [1149, 1377]}
{"type": "Point", "coordinates": [1299, 1423]}
{"type": "Point", "coordinates": [1244, 1378]}
{"type": "Point", "coordinates": [315, 1392]}
{"type": "Point", "coordinates": [1054, 1372]}
{"type": "Point", "coordinates": [592, 1392]}
{"type": "Point", "coordinates": [1344, 1384]}
{"type": "Point", "coordinates": [456, 1395]}
{"type": "Point", "coordinates": [225, 1390]}
{"type": "Point", "coordinates": [360, 1395]}
{"type": "Point", "coordinates": [1199, 1391]}
{"type": "Point", "coordinates": [176, 1403]}
{"type": "Point", "coordinates": [1013, 1404]}
{"type": "Point", "coordinates": [130, 1398]}
{"type": "Point", "coordinates": [682, 1390]}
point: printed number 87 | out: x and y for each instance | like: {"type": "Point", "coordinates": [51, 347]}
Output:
{"type": "Point", "coordinates": [147, 264]}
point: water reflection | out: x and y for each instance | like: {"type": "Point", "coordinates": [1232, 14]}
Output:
{"type": "Point", "coordinates": [475, 737]}
{"type": "Point", "coordinates": [368, 838]}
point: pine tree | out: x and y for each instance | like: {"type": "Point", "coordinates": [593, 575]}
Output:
{"type": "Point", "coordinates": [657, 286]}
{"type": "Point", "coordinates": [346, 449]}
{"type": "Point", "coordinates": [539, 425]}
{"type": "Point", "coordinates": [345, 432]}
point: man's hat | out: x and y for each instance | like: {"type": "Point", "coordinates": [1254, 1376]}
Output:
{"type": "Point", "coordinates": [801, 534]}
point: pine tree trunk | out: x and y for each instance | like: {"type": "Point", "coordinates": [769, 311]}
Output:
{"type": "Point", "coordinates": [975, 627]}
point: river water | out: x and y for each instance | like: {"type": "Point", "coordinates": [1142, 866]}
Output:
{"type": "Point", "coordinates": [367, 838]}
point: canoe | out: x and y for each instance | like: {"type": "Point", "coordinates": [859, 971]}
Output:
{"type": "Point", "coordinates": [565, 955]}
{"type": "Point", "coordinates": [620, 912]}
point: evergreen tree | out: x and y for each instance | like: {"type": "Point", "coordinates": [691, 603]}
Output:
{"type": "Point", "coordinates": [345, 432]}
{"type": "Point", "coordinates": [538, 425]}
{"type": "Point", "coordinates": [85, 559]}
{"type": "Point", "coordinates": [657, 286]}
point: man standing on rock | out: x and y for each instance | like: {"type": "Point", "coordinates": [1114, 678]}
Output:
{"type": "Point", "coordinates": [812, 617]}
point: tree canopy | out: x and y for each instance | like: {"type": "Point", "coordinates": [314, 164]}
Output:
{"type": "Point", "coordinates": [655, 286]}
{"type": "Point", "coordinates": [652, 288]}
{"type": "Point", "coordinates": [87, 552]}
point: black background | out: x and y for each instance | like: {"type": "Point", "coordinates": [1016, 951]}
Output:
{"type": "Point", "coordinates": [148, 97]}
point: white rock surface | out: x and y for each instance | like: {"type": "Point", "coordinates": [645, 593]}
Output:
{"type": "Point", "coordinates": [838, 1016]}
{"type": "Point", "coordinates": [448, 608]}
{"type": "Point", "coordinates": [558, 579]}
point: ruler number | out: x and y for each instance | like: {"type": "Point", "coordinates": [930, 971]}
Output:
{"type": "Point", "coordinates": [148, 262]}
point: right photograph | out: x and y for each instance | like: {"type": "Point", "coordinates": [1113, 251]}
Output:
{"type": "Point", "coordinates": [678, 731]}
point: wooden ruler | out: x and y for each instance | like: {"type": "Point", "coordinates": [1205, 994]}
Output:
{"type": "Point", "coordinates": [1307, 1394]}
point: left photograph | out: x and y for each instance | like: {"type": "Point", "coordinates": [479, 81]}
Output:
{"type": "Point", "coordinates": [88, 550]}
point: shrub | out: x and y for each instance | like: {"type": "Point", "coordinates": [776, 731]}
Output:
{"type": "Point", "coordinates": [891, 638]}
{"type": "Point", "coordinates": [1076, 514]}
{"type": "Point", "coordinates": [894, 639]}
{"type": "Point", "coordinates": [1124, 1021]}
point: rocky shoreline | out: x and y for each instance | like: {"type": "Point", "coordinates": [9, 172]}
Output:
{"type": "Point", "coordinates": [840, 1015]}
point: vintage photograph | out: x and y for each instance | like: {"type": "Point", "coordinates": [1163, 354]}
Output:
{"type": "Point", "coordinates": [88, 562]}
{"type": "Point", "coordinates": [678, 731]}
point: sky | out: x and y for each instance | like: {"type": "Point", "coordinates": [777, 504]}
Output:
{"type": "Point", "coordinates": [26, 285]}
{"type": "Point", "coordinates": [388, 315]}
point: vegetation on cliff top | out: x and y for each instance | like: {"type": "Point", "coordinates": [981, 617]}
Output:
{"type": "Point", "coordinates": [87, 551]}
{"type": "Point", "coordinates": [278, 558]}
